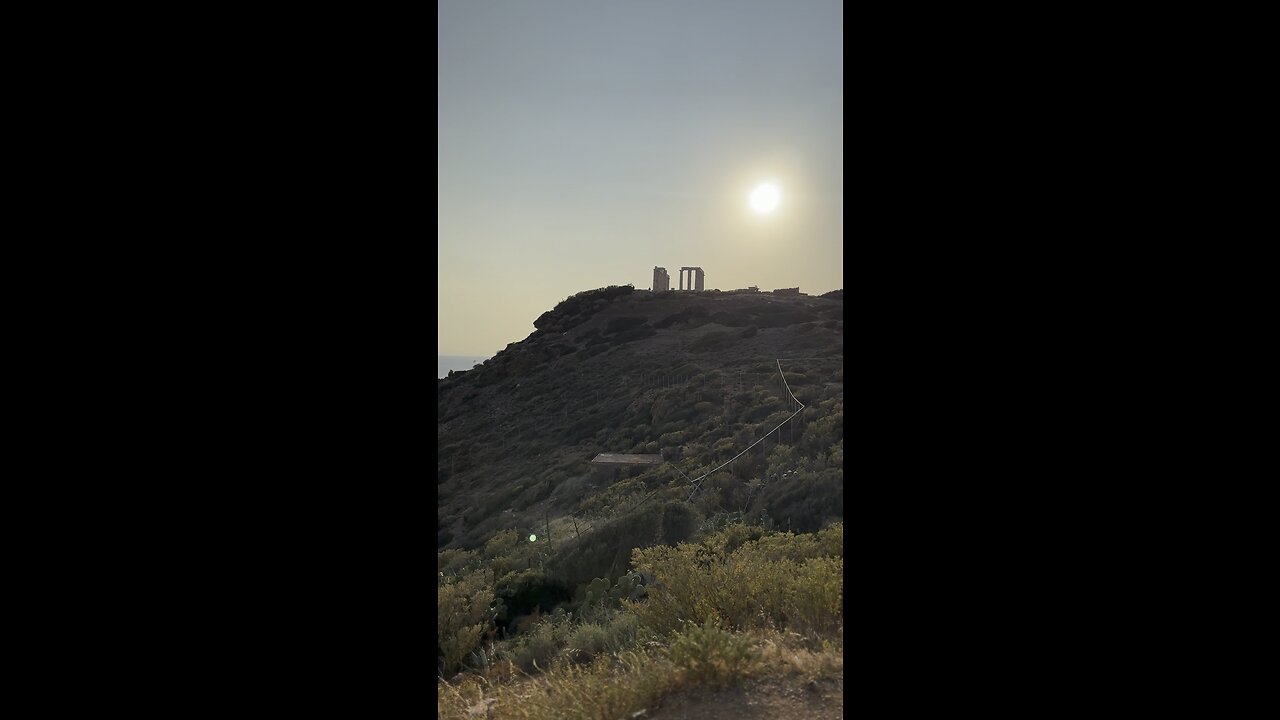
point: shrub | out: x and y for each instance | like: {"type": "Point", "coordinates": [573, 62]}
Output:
{"type": "Point", "coordinates": [784, 318]}
{"type": "Point", "coordinates": [534, 494]}
{"type": "Point", "coordinates": [531, 590]}
{"type": "Point", "coordinates": [836, 458]}
{"type": "Point", "coordinates": [679, 522]}
{"type": "Point", "coordinates": [501, 544]}
{"type": "Point", "coordinates": [817, 596]}
{"type": "Point", "coordinates": [783, 546]}
{"type": "Point", "coordinates": [586, 641]}
{"type": "Point", "coordinates": [731, 319]}
{"type": "Point", "coordinates": [780, 580]}
{"type": "Point", "coordinates": [804, 499]}
{"type": "Point", "coordinates": [725, 448]}
{"type": "Point", "coordinates": [501, 498]}
{"type": "Point", "coordinates": [707, 654]}
{"type": "Point", "coordinates": [685, 315]}
{"type": "Point", "coordinates": [623, 323]}
{"type": "Point", "coordinates": [713, 341]}
{"type": "Point", "coordinates": [623, 629]}
{"type": "Point", "coordinates": [831, 540]}
{"type": "Point", "coordinates": [536, 649]}
{"type": "Point", "coordinates": [728, 538]}
{"type": "Point", "coordinates": [455, 561]}
{"type": "Point", "coordinates": [604, 551]}
{"type": "Point", "coordinates": [464, 614]}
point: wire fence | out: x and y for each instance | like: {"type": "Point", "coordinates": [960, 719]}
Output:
{"type": "Point", "coordinates": [697, 482]}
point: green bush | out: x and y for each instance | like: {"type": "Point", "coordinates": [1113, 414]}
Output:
{"type": "Point", "coordinates": [537, 648]}
{"type": "Point", "coordinates": [586, 641]}
{"type": "Point", "coordinates": [671, 438]}
{"type": "Point", "coordinates": [680, 521]}
{"type": "Point", "coordinates": [817, 595]}
{"type": "Point", "coordinates": [464, 614]}
{"type": "Point", "coordinates": [831, 540]}
{"type": "Point", "coordinates": [707, 654]}
{"type": "Point", "coordinates": [725, 539]}
{"type": "Point", "coordinates": [501, 544]}
{"type": "Point", "coordinates": [604, 551]}
{"type": "Point", "coordinates": [455, 561]}
{"type": "Point", "coordinates": [804, 499]}
{"type": "Point", "coordinates": [623, 629]}
{"type": "Point", "coordinates": [725, 448]}
{"type": "Point", "coordinates": [778, 581]}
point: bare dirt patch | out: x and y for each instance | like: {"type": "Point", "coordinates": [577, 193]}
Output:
{"type": "Point", "coordinates": [765, 699]}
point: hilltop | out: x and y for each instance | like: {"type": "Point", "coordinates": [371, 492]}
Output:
{"type": "Point", "coordinates": [623, 371]}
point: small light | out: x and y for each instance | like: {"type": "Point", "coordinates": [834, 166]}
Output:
{"type": "Point", "coordinates": [533, 538]}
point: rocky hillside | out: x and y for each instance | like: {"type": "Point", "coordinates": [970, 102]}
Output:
{"type": "Point", "coordinates": [618, 370]}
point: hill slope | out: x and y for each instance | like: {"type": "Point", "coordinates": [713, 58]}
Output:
{"type": "Point", "coordinates": [623, 371]}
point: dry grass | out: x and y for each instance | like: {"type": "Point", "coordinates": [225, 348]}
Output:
{"type": "Point", "coordinates": [605, 690]}
{"type": "Point", "coordinates": [792, 656]}
{"type": "Point", "coordinates": [614, 686]}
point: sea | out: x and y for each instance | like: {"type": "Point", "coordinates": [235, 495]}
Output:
{"type": "Point", "coordinates": [445, 363]}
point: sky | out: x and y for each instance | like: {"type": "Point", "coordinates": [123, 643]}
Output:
{"type": "Point", "coordinates": [582, 142]}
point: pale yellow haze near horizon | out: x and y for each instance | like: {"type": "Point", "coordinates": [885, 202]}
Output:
{"type": "Point", "coordinates": [503, 266]}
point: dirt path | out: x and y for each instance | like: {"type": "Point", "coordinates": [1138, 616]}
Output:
{"type": "Point", "coordinates": [760, 700]}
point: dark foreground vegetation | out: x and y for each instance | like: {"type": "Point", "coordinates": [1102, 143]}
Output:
{"type": "Point", "coordinates": [737, 603]}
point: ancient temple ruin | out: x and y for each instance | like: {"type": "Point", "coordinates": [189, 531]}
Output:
{"type": "Point", "coordinates": [661, 280]}
{"type": "Point", "coordinates": [691, 278]}
{"type": "Point", "coordinates": [695, 278]}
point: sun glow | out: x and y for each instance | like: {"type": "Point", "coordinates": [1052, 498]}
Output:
{"type": "Point", "coordinates": [764, 199]}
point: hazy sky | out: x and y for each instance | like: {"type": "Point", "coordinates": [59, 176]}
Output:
{"type": "Point", "coordinates": [581, 143]}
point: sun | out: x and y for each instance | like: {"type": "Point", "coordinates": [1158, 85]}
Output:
{"type": "Point", "coordinates": [764, 199]}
